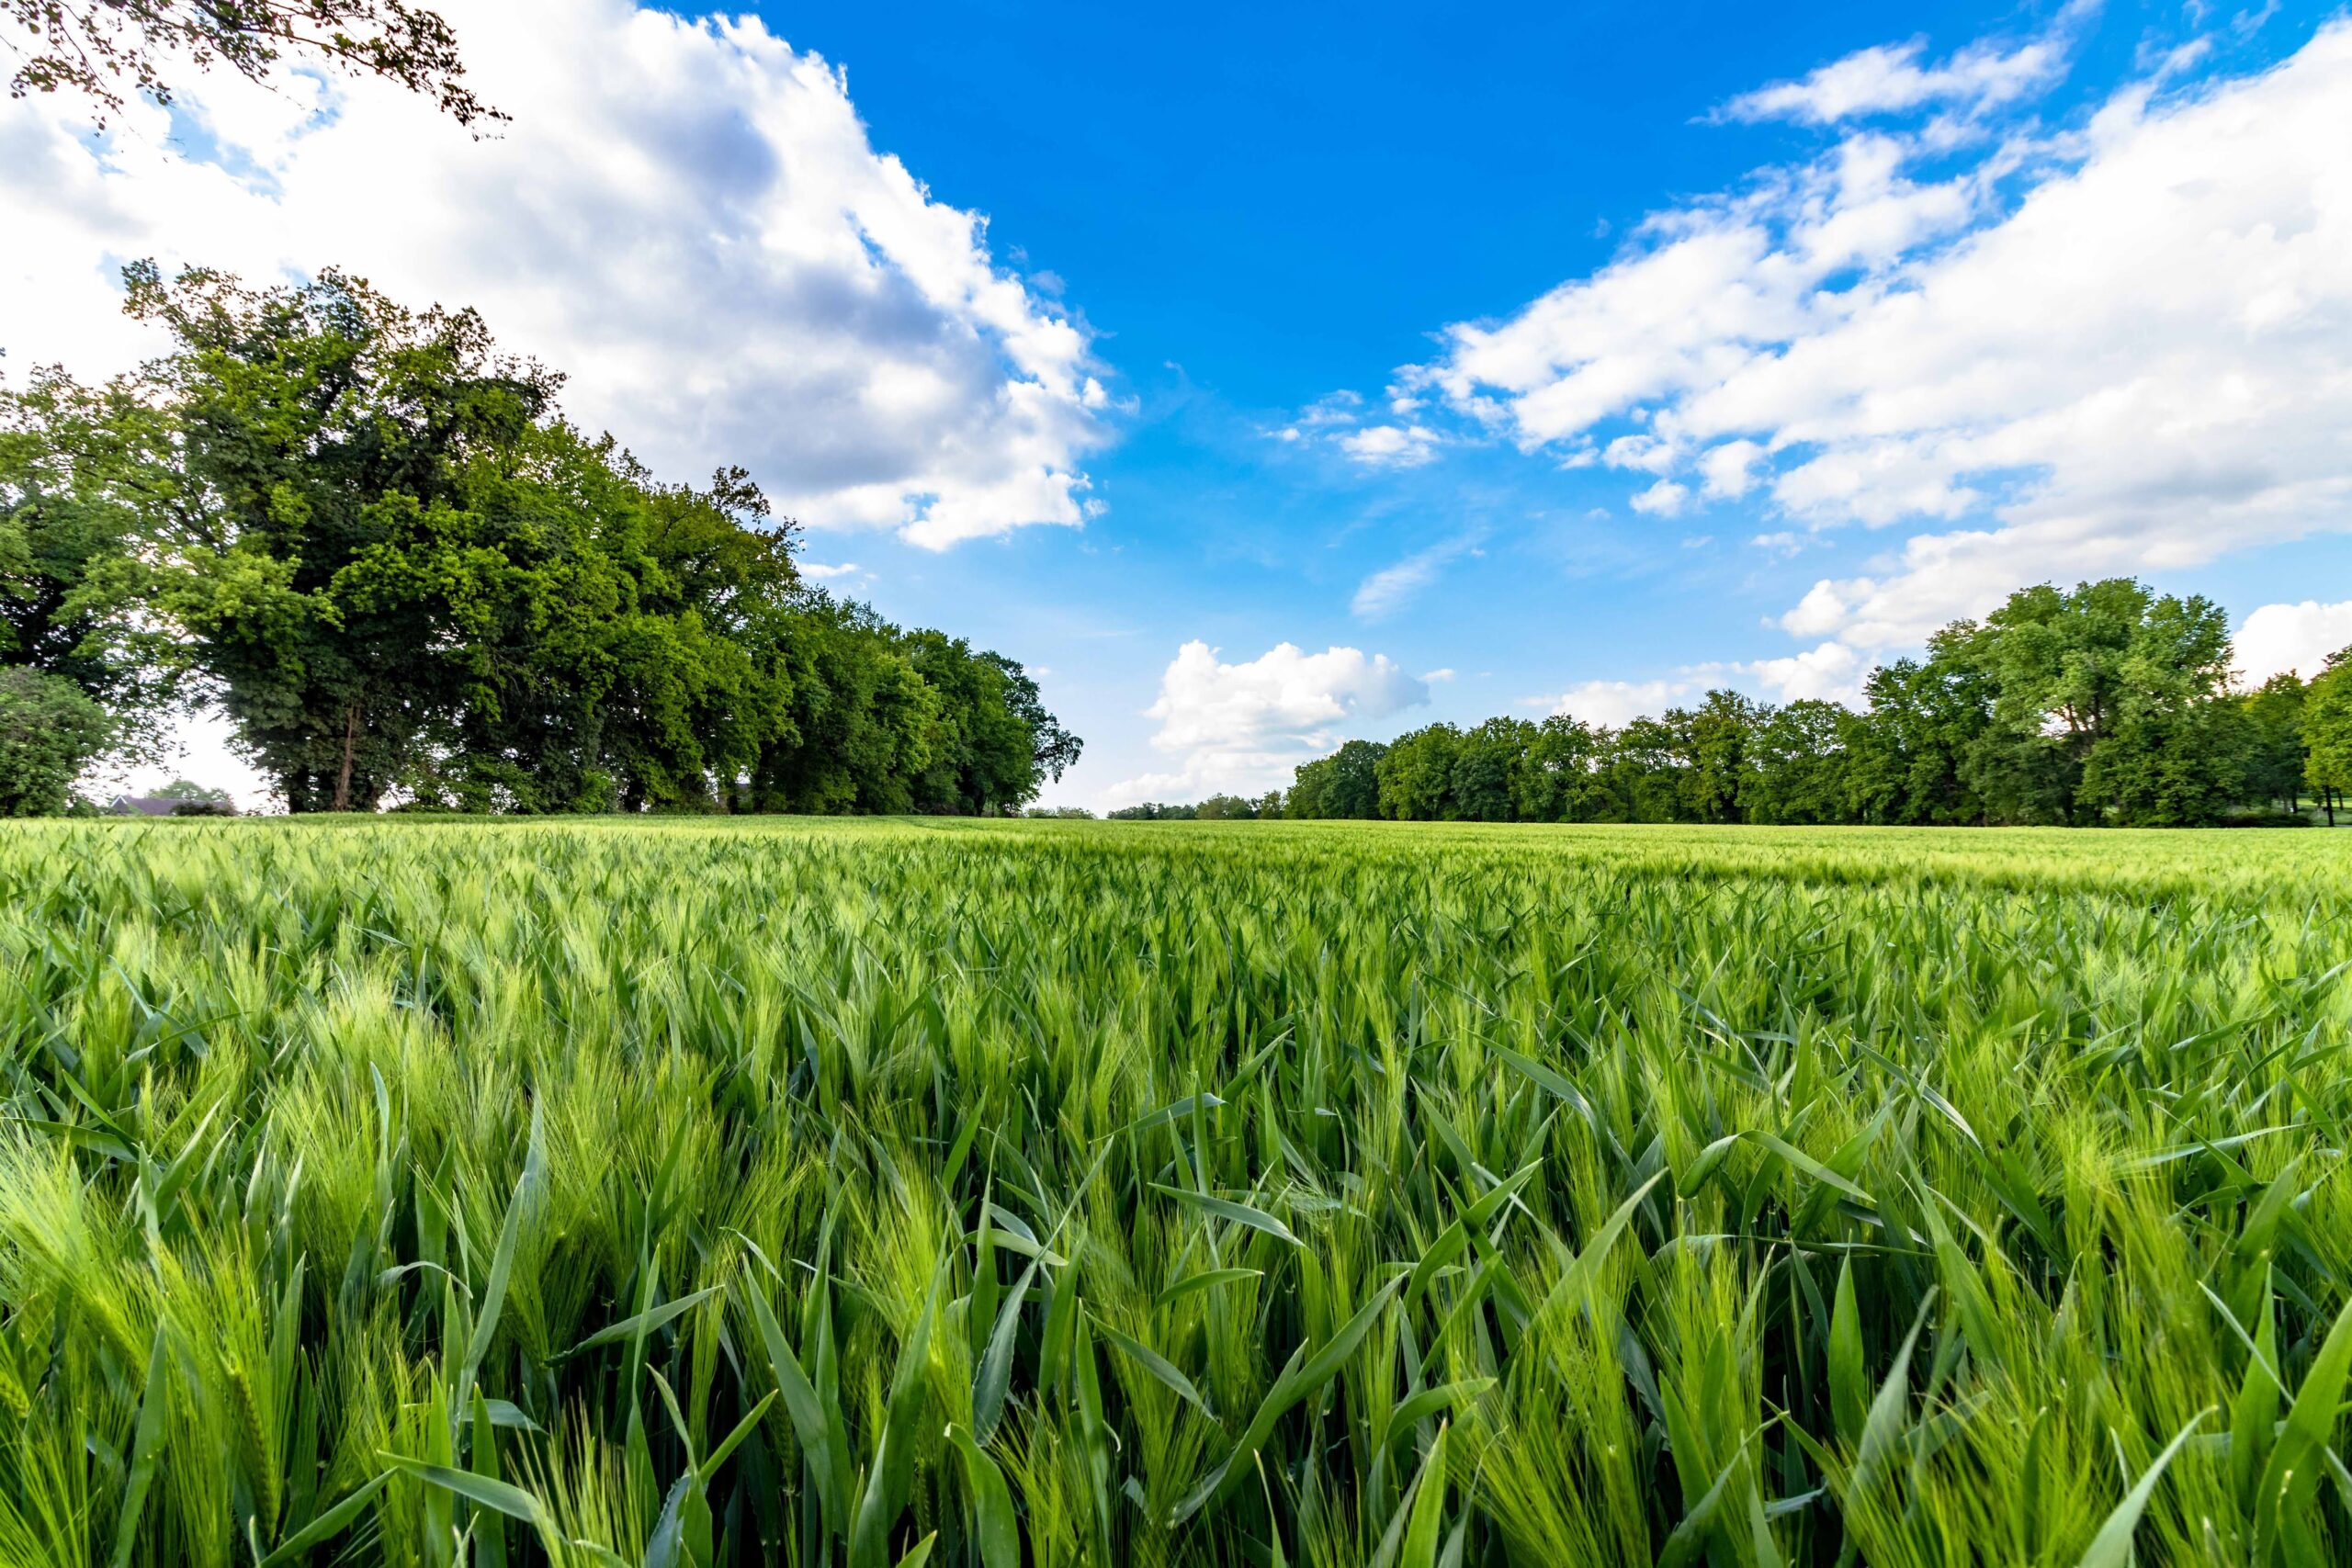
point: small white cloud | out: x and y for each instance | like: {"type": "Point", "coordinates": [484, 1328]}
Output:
{"type": "Point", "coordinates": [1391, 446]}
{"type": "Point", "coordinates": [1664, 499]}
{"type": "Point", "coordinates": [1642, 451]}
{"type": "Point", "coordinates": [1434, 676]}
{"type": "Point", "coordinates": [1831, 671]}
{"type": "Point", "coordinates": [2278, 637]}
{"type": "Point", "coordinates": [1730, 469]}
{"type": "Point", "coordinates": [824, 574]}
{"type": "Point", "coordinates": [1890, 79]}
{"type": "Point", "coordinates": [1615, 703]}
{"type": "Point", "coordinates": [1822, 608]}
{"type": "Point", "coordinates": [1243, 727]}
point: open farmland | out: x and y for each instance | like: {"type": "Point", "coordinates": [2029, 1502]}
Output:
{"type": "Point", "coordinates": [419, 1192]}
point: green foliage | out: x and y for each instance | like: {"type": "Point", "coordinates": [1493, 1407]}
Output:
{"type": "Point", "coordinates": [81, 474]}
{"type": "Point", "coordinates": [1797, 767]}
{"type": "Point", "coordinates": [1344, 785]}
{"type": "Point", "coordinates": [834, 1193]}
{"type": "Point", "coordinates": [49, 733]}
{"type": "Point", "coordinates": [347, 566]}
{"type": "Point", "coordinates": [2274, 758]}
{"type": "Point", "coordinates": [2107, 703]}
{"type": "Point", "coordinates": [2327, 727]}
{"type": "Point", "coordinates": [190, 793]}
{"type": "Point", "coordinates": [1153, 811]}
{"type": "Point", "coordinates": [1417, 775]}
{"type": "Point", "coordinates": [1553, 780]}
{"type": "Point", "coordinates": [1910, 762]}
{"type": "Point", "coordinates": [1486, 762]}
{"type": "Point", "coordinates": [402, 574]}
{"type": "Point", "coordinates": [2104, 704]}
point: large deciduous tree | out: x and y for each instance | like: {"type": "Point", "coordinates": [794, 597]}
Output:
{"type": "Point", "coordinates": [49, 733]}
{"type": "Point", "coordinates": [1557, 778]}
{"type": "Point", "coordinates": [404, 574]}
{"type": "Point", "coordinates": [1908, 757]}
{"type": "Point", "coordinates": [1716, 742]}
{"type": "Point", "coordinates": [2327, 732]}
{"type": "Point", "coordinates": [335, 562]}
{"type": "Point", "coordinates": [1417, 774]}
{"type": "Point", "coordinates": [1796, 764]}
{"type": "Point", "coordinates": [1487, 760]}
{"type": "Point", "coordinates": [81, 473]}
{"type": "Point", "coordinates": [2107, 705]}
{"type": "Point", "coordinates": [2274, 761]}
{"type": "Point", "coordinates": [1345, 785]}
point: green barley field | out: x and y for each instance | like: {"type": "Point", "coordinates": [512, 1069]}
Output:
{"type": "Point", "coordinates": [865, 1193]}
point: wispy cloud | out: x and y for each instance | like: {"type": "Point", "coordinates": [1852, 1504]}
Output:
{"type": "Point", "coordinates": [1891, 79]}
{"type": "Point", "coordinates": [1391, 588]}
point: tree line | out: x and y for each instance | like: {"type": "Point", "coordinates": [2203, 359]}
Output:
{"type": "Point", "coordinates": [2103, 705]}
{"type": "Point", "coordinates": [378, 546]}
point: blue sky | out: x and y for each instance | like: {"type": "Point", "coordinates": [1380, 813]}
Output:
{"type": "Point", "coordinates": [1331, 371]}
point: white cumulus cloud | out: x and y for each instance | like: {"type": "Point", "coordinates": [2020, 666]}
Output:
{"type": "Point", "coordinates": [1730, 469]}
{"type": "Point", "coordinates": [1664, 499]}
{"type": "Point", "coordinates": [1391, 446]}
{"type": "Point", "coordinates": [686, 215]}
{"type": "Point", "coordinates": [1829, 671]}
{"type": "Point", "coordinates": [1243, 727]}
{"type": "Point", "coordinates": [1617, 703]}
{"type": "Point", "coordinates": [2121, 349]}
{"type": "Point", "coordinates": [2278, 637]}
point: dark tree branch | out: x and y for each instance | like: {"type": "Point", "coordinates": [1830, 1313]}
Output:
{"type": "Point", "coordinates": [103, 48]}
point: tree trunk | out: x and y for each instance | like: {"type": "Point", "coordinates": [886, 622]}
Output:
{"type": "Point", "coordinates": [350, 741]}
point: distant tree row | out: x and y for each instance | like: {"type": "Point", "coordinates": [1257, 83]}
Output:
{"type": "Point", "coordinates": [376, 544]}
{"type": "Point", "coordinates": [2104, 704]}
{"type": "Point", "coordinates": [1215, 808]}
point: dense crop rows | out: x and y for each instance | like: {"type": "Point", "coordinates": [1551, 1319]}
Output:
{"type": "Point", "coordinates": [1274, 1194]}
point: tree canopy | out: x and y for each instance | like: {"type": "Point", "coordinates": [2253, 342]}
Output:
{"type": "Point", "coordinates": [376, 544]}
{"type": "Point", "coordinates": [2105, 704]}
{"type": "Point", "coordinates": [2326, 717]}
{"type": "Point", "coordinates": [49, 732]}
